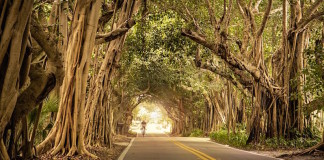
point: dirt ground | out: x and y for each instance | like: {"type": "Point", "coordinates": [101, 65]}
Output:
{"type": "Point", "coordinates": [103, 153]}
{"type": "Point", "coordinates": [287, 154]}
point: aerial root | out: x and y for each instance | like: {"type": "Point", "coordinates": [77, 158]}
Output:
{"type": "Point", "coordinates": [3, 151]}
{"type": "Point", "coordinates": [319, 146]}
{"type": "Point", "coordinates": [86, 152]}
{"type": "Point", "coordinates": [72, 151]}
{"type": "Point", "coordinates": [57, 149]}
{"type": "Point", "coordinates": [47, 143]}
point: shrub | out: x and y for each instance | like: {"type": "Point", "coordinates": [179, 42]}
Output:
{"type": "Point", "coordinates": [303, 140]}
{"type": "Point", "coordinates": [237, 140]}
{"type": "Point", "coordinates": [196, 133]}
{"type": "Point", "coordinates": [300, 142]}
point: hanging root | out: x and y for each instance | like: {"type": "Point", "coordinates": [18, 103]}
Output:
{"type": "Point", "coordinates": [57, 149]}
{"type": "Point", "coordinates": [47, 143]}
{"type": "Point", "coordinates": [72, 151]}
{"type": "Point", "coordinates": [86, 152]}
{"type": "Point", "coordinates": [3, 151]}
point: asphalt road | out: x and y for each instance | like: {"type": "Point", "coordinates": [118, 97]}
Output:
{"type": "Point", "coordinates": [162, 147]}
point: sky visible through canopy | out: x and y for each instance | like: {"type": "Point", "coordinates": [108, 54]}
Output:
{"type": "Point", "coordinates": [155, 116]}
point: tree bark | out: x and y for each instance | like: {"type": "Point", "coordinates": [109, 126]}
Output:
{"type": "Point", "coordinates": [14, 32]}
{"type": "Point", "coordinates": [68, 128]}
{"type": "Point", "coordinates": [101, 91]}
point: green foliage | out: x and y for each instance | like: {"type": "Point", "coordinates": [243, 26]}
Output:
{"type": "Point", "coordinates": [197, 133]}
{"type": "Point", "coordinates": [131, 134]}
{"type": "Point", "coordinates": [309, 138]}
{"type": "Point", "coordinates": [237, 140]}
{"type": "Point", "coordinates": [314, 71]}
{"type": "Point", "coordinates": [50, 105]}
{"type": "Point", "coordinates": [314, 74]}
{"type": "Point", "coordinates": [158, 57]}
{"type": "Point", "coordinates": [282, 143]}
{"type": "Point", "coordinates": [185, 134]}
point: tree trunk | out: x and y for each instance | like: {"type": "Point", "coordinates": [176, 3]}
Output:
{"type": "Point", "coordinates": [99, 97]}
{"type": "Point", "coordinates": [68, 127]}
{"type": "Point", "coordinates": [14, 32]}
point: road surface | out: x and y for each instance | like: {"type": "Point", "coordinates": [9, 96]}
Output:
{"type": "Point", "coordinates": [162, 147]}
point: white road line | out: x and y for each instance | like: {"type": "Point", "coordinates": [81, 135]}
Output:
{"type": "Point", "coordinates": [166, 134]}
{"type": "Point", "coordinates": [244, 150]}
{"type": "Point", "coordinates": [122, 156]}
{"type": "Point", "coordinates": [227, 146]}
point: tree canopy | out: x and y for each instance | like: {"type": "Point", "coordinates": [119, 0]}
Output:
{"type": "Point", "coordinates": [73, 71]}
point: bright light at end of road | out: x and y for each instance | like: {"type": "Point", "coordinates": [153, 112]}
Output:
{"type": "Point", "coordinates": [155, 115]}
{"type": "Point", "coordinates": [156, 119]}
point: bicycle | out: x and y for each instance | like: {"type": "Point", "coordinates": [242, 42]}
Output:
{"type": "Point", "coordinates": [143, 131]}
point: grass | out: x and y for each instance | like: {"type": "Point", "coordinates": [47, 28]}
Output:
{"type": "Point", "coordinates": [239, 139]}
{"type": "Point", "coordinates": [197, 133]}
{"type": "Point", "coordinates": [281, 143]}
{"type": "Point", "coordinates": [236, 140]}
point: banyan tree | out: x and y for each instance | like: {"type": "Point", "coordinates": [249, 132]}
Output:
{"type": "Point", "coordinates": [72, 71]}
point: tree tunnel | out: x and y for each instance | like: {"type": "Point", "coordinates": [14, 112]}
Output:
{"type": "Point", "coordinates": [156, 117]}
{"type": "Point", "coordinates": [72, 72]}
{"type": "Point", "coordinates": [168, 112]}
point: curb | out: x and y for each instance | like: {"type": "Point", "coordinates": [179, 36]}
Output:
{"type": "Point", "coordinates": [123, 154]}
{"type": "Point", "coordinates": [244, 150]}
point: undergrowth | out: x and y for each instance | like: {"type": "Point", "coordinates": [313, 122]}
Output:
{"type": "Point", "coordinates": [197, 133]}
{"type": "Point", "coordinates": [307, 139]}
{"type": "Point", "coordinates": [237, 140]}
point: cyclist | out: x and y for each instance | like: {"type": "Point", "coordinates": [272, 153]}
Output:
{"type": "Point", "coordinates": [143, 127]}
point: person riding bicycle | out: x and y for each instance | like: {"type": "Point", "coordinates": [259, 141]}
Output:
{"type": "Point", "coordinates": [143, 127]}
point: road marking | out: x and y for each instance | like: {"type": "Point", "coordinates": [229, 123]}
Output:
{"type": "Point", "coordinates": [258, 154]}
{"type": "Point", "coordinates": [122, 156]}
{"type": "Point", "coordinates": [198, 155]}
{"type": "Point", "coordinates": [205, 155]}
{"type": "Point", "coordinates": [201, 155]}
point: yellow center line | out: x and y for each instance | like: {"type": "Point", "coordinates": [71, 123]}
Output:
{"type": "Point", "coordinates": [198, 155]}
{"type": "Point", "coordinates": [201, 155]}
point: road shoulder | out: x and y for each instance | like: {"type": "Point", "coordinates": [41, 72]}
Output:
{"type": "Point", "coordinates": [123, 154]}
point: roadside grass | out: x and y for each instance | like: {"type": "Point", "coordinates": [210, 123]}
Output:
{"type": "Point", "coordinates": [197, 133]}
{"type": "Point", "coordinates": [300, 141]}
{"type": "Point", "coordinates": [131, 133]}
{"type": "Point", "coordinates": [237, 139]}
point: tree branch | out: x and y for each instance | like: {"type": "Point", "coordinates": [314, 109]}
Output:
{"type": "Point", "coordinates": [256, 6]}
{"type": "Point", "coordinates": [213, 20]}
{"type": "Point", "coordinates": [49, 45]}
{"type": "Point", "coordinates": [235, 64]}
{"type": "Point", "coordinates": [224, 11]}
{"type": "Point", "coordinates": [314, 105]}
{"type": "Point", "coordinates": [121, 30]}
{"type": "Point", "coordinates": [45, 41]}
{"type": "Point", "coordinates": [239, 82]}
{"type": "Point", "coordinates": [111, 35]}
{"type": "Point", "coordinates": [265, 19]}
{"type": "Point", "coordinates": [313, 8]}
{"type": "Point", "coordinates": [193, 19]}
{"type": "Point", "coordinates": [107, 13]}
{"type": "Point", "coordinates": [211, 12]}
{"type": "Point", "coordinates": [248, 15]}
{"type": "Point", "coordinates": [227, 15]}
{"type": "Point", "coordinates": [223, 53]}
{"type": "Point", "coordinates": [41, 85]}
{"type": "Point", "coordinates": [304, 22]}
